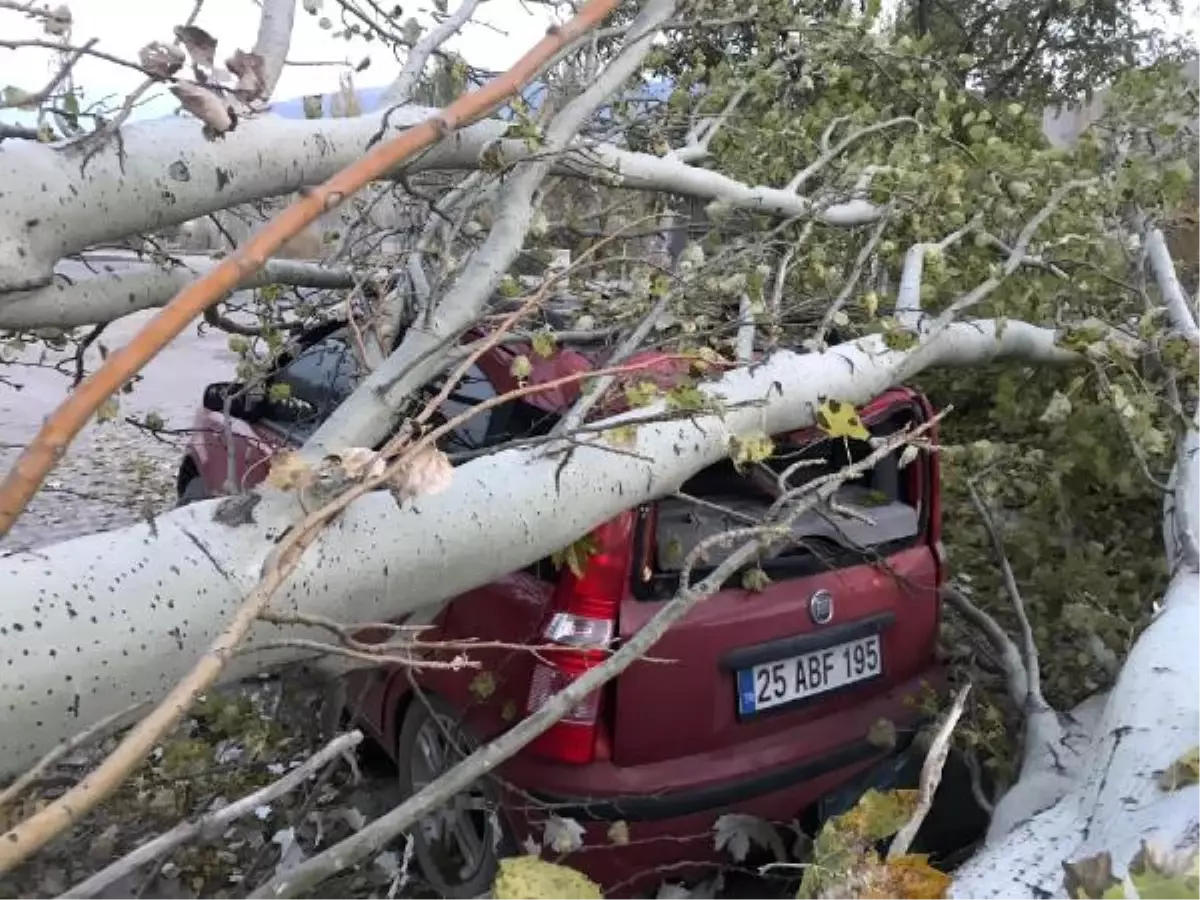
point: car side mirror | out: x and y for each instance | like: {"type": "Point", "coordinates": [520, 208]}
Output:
{"type": "Point", "coordinates": [242, 405]}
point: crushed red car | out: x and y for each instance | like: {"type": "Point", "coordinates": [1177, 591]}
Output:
{"type": "Point", "coordinates": [762, 701]}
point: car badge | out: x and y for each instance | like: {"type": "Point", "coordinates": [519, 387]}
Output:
{"type": "Point", "coordinates": [820, 607]}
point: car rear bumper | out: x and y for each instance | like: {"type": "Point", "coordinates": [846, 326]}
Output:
{"type": "Point", "coordinates": [721, 779]}
{"type": "Point", "coordinates": [666, 829]}
{"type": "Point", "coordinates": [718, 796]}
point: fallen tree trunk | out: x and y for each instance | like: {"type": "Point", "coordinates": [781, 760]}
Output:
{"type": "Point", "coordinates": [1115, 802]}
{"type": "Point", "coordinates": [95, 623]}
{"type": "Point", "coordinates": [109, 296]}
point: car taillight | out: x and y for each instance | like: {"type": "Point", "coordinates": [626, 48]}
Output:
{"type": "Point", "coordinates": [583, 624]}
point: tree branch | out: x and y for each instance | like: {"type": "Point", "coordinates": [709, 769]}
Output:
{"type": "Point", "coordinates": [372, 411]}
{"type": "Point", "coordinates": [108, 296]}
{"type": "Point", "coordinates": [204, 178]}
{"type": "Point", "coordinates": [213, 823]}
{"type": "Point", "coordinates": [274, 40]}
{"type": "Point", "coordinates": [400, 90]}
{"type": "Point", "coordinates": [931, 775]}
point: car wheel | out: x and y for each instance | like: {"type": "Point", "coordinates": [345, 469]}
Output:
{"type": "Point", "coordinates": [457, 847]}
{"type": "Point", "coordinates": [193, 492]}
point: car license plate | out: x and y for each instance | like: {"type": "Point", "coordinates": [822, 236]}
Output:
{"type": "Point", "coordinates": [777, 683]}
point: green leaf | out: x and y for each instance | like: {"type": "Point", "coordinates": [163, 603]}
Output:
{"type": "Point", "coordinates": [576, 555]}
{"type": "Point", "coordinates": [521, 368]}
{"type": "Point", "coordinates": [641, 394]}
{"type": "Point", "coordinates": [544, 344]}
{"type": "Point", "coordinates": [756, 580]}
{"type": "Point", "coordinates": [686, 397]}
{"type": "Point", "coordinates": [1162, 873]}
{"type": "Point", "coordinates": [483, 685]}
{"type": "Point", "coordinates": [1182, 772]}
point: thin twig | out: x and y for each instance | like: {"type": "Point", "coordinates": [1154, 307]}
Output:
{"type": "Point", "coordinates": [931, 775]}
{"type": "Point", "coordinates": [1029, 652]}
{"type": "Point", "coordinates": [93, 732]}
{"type": "Point", "coordinates": [215, 822]}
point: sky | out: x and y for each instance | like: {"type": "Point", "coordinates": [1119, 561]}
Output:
{"type": "Point", "coordinates": [125, 26]}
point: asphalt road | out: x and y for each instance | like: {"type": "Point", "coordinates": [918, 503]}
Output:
{"type": "Point", "coordinates": [114, 473]}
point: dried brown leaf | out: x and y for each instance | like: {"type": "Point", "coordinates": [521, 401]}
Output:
{"type": "Point", "coordinates": [248, 67]}
{"type": "Point", "coordinates": [428, 472]}
{"type": "Point", "coordinates": [206, 106]}
{"type": "Point", "coordinates": [289, 472]}
{"type": "Point", "coordinates": [360, 462]}
{"type": "Point", "coordinates": [57, 21]}
{"type": "Point", "coordinates": [200, 45]}
{"type": "Point", "coordinates": [1089, 877]}
{"type": "Point", "coordinates": [618, 833]}
{"type": "Point", "coordinates": [161, 60]}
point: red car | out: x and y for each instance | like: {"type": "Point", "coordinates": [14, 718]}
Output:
{"type": "Point", "coordinates": [766, 697]}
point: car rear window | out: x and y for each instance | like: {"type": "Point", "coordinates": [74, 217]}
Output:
{"type": "Point", "coordinates": [872, 516]}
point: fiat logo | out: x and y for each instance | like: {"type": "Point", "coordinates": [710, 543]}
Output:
{"type": "Point", "coordinates": [820, 607]}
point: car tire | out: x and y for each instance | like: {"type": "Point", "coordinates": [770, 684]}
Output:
{"type": "Point", "coordinates": [192, 492]}
{"type": "Point", "coordinates": [473, 816]}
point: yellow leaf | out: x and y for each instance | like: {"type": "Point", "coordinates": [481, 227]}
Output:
{"type": "Point", "coordinates": [882, 734]}
{"type": "Point", "coordinates": [621, 436]}
{"type": "Point", "coordinates": [909, 877]}
{"type": "Point", "coordinates": [521, 368]}
{"type": "Point", "coordinates": [879, 814]}
{"type": "Point", "coordinates": [1090, 877]}
{"type": "Point", "coordinates": [838, 419]}
{"type": "Point", "coordinates": [575, 556]}
{"type": "Point", "coordinates": [530, 878]}
{"type": "Point", "coordinates": [483, 685]}
{"type": "Point", "coordinates": [871, 302]}
{"type": "Point", "coordinates": [755, 580]}
{"type": "Point", "coordinates": [289, 472]}
{"type": "Point", "coordinates": [544, 344]}
{"type": "Point", "coordinates": [618, 832]}
{"type": "Point", "coordinates": [753, 448]}
{"type": "Point", "coordinates": [640, 394]}
{"type": "Point", "coordinates": [1182, 772]}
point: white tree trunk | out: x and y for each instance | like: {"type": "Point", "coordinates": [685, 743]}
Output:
{"type": "Point", "coordinates": [95, 623]}
{"type": "Point", "coordinates": [108, 296]}
{"type": "Point", "coordinates": [1114, 802]}
{"type": "Point", "coordinates": [170, 173]}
